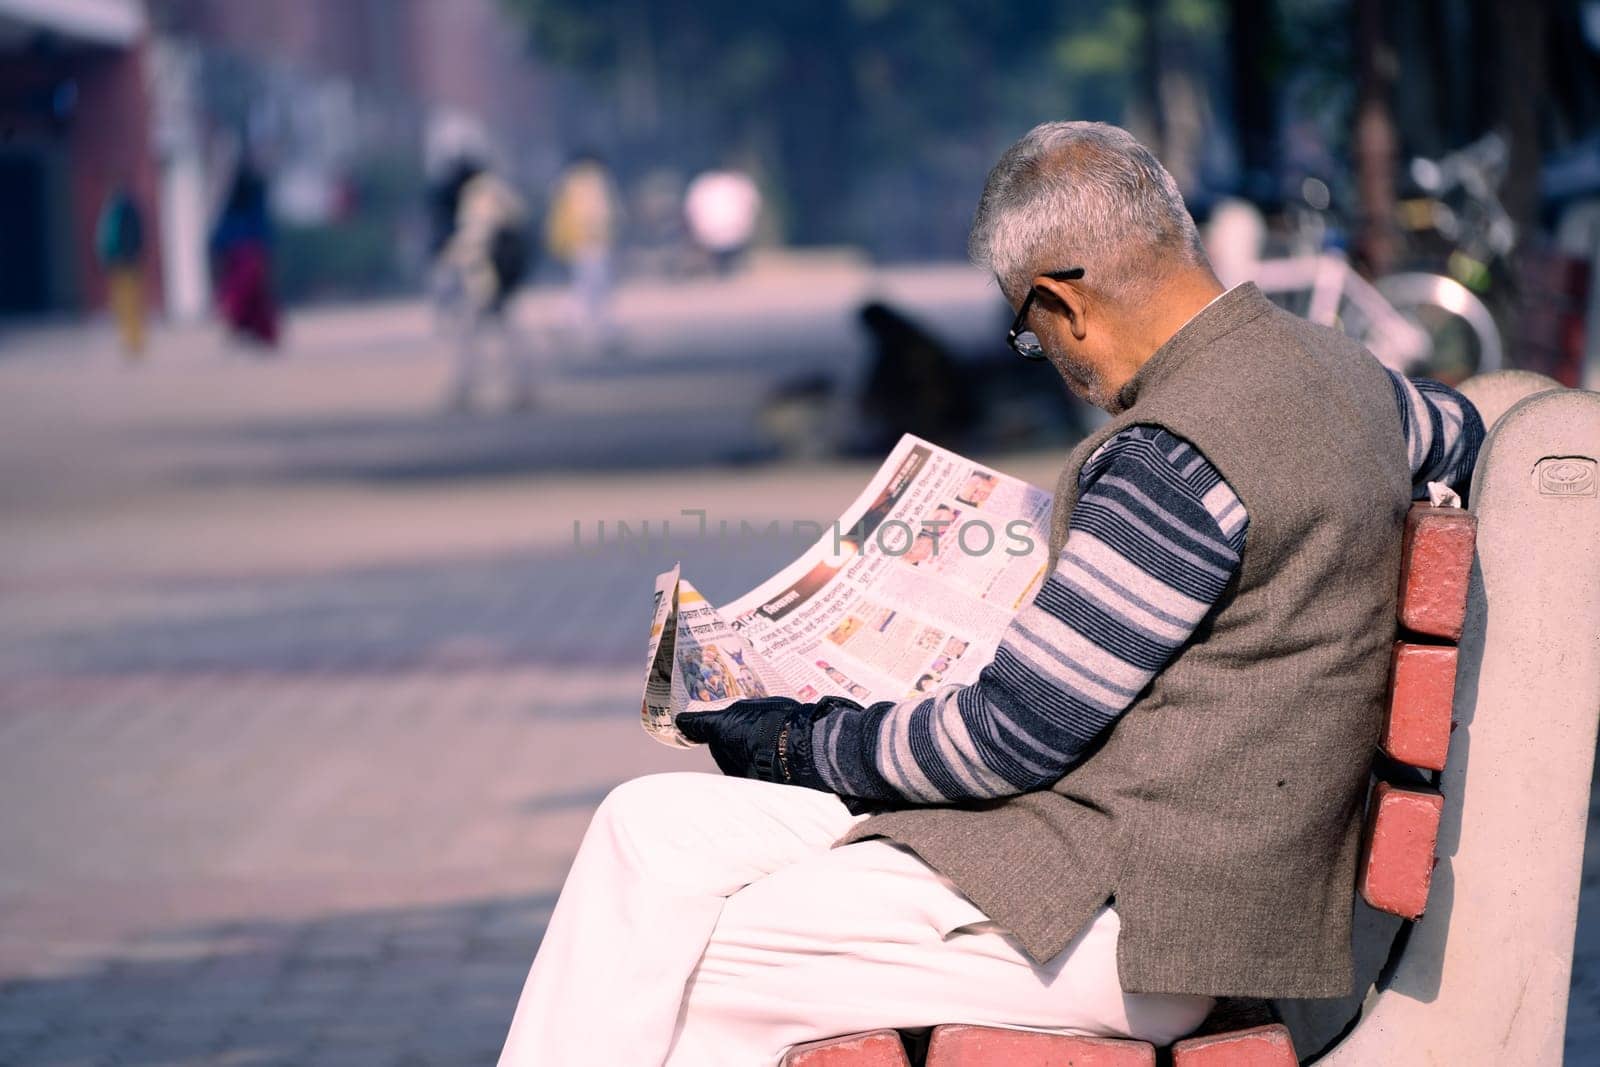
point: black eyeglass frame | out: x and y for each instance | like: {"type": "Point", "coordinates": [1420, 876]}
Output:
{"type": "Point", "coordinates": [1018, 324]}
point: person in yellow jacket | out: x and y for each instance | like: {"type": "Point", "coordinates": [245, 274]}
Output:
{"type": "Point", "coordinates": [580, 231]}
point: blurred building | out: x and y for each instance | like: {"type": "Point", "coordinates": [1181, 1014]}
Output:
{"type": "Point", "coordinates": [345, 105]}
{"type": "Point", "coordinates": [73, 124]}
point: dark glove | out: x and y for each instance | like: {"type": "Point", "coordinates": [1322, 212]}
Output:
{"type": "Point", "coordinates": [767, 738]}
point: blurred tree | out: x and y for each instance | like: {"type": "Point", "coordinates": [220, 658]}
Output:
{"type": "Point", "coordinates": [826, 87]}
{"type": "Point", "coordinates": [1376, 142]}
{"type": "Point", "coordinates": [1519, 28]}
{"type": "Point", "coordinates": [1573, 56]}
{"type": "Point", "coordinates": [1151, 121]}
{"type": "Point", "coordinates": [837, 94]}
{"type": "Point", "coordinates": [1255, 61]}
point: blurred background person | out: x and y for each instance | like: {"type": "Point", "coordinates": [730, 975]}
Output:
{"type": "Point", "coordinates": [580, 231]}
{"type": "Point", "coordinates": [1234, 237]}
{"type": "Point", "coordinates": [119, 245]}
{"type": "Point", "coordinates": [915, 384]}
{"type": "Point", "coordinates": [487, 256]}
{"type": "Point", "coordinates": [444, 205]}
{"type": "Point", "coordinates": [721, 207]}
{"type": "Point", "coordinates": [241, 255]}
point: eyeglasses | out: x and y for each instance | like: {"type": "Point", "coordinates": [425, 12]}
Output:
{"type": "Point", "coordinates": [1025, 343]}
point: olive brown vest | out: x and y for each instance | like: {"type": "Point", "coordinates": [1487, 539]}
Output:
{"type": "Point", "coordinates": [1220, 816]}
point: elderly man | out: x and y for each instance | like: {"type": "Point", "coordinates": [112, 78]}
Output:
{"type": "Point", "coordinates": [1151, 796]}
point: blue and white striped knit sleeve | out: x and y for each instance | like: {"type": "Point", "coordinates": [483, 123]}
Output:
{"type": "Point", "coordinates": [1443, 432]}
{"type": "Point", "coordinates": [1155, 539]}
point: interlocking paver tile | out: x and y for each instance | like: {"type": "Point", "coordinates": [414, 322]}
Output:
{"type": "Point", "coordinates": [75, 1050]}
{"type": "Point", "coordinates": [306, 693]}
{"type": "Point", "coordinates": [354, 1056]}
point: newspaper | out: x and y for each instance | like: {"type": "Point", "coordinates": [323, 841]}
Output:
{"type": "Point", "coordinates": [911, 590]}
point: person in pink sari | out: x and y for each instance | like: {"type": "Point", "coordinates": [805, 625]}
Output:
{"type": "Point", "coordinates": [241, 253]}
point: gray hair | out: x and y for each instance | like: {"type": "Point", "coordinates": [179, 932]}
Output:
{"type": "Point", "coordinates": [1083, 194]}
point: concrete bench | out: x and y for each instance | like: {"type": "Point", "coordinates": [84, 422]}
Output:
{"type": "Point", "coordinates": [1469, 875]}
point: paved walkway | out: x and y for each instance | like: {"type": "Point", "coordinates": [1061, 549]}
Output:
{"type": "Point", "coordinates": [307, 690]}
{"type": "Point", "coordinates": [308, 687]}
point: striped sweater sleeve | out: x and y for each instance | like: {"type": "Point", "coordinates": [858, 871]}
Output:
{"type": "Point", "coordinates": [1443, 432]}
{"type": "Point", "coordinates": [1155, 539]}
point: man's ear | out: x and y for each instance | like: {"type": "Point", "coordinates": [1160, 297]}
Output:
{"type": "Point", "coordinates": [1067, 300]}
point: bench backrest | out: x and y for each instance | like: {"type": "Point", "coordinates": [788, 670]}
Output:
{"type": "Point", "coordinates": [1483, 977]}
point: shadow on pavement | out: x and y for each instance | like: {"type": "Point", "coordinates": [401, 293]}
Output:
{"type": "Point", "coordinates": [408, 987]}
{"type": "Point", "coordinates": [399, 448]}
{"type": "Point", "coordinates": [552, 608]}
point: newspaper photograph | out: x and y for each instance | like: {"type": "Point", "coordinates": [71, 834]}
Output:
{"type": "Point", "coordinates": [910, 590]}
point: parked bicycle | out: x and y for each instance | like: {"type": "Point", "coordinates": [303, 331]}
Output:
{"type": "Point", "coordinates": [1415, 321]}
{"type": "Point", "coordinates": [1459, 223]}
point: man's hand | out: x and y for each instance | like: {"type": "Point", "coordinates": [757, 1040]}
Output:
{"type": "Point", "coordinates": [767, 738]}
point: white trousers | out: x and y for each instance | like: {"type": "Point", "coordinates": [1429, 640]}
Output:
{"type": "Point", "coordinates": [590, 295]}
{"type": "Point", "coordinates": [706, 922]}
{"type": "Point", "coordinates": [517, 356]}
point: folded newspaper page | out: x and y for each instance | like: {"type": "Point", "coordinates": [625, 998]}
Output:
{"type": "Point", "coordinates": [910, 590]}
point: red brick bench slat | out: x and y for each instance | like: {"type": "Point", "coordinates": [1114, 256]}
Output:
{"type": "Point", "coordinates": [1397, 854]}
{"type": "Point", "coordinates": [880, 1048]}
{"type": "Point", "coordinates": [1260, 1046]}
{"type": "Point", "coordinates": [1416, 728]}
{"type": "Point", "coordinates": [985, 1046]}
{"type": "Point", "coordinates": [1435, 562]}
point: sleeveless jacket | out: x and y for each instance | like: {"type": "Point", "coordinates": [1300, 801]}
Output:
{"type": "Point", "coordinates": [1220, 816]}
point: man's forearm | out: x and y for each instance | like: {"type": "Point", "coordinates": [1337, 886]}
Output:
{"type": "Point", "coordinates": [961, 743]}
{"type": "Point", "coordinates": [1156, 537]}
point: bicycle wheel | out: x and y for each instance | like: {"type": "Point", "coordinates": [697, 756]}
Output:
{"type": "Point", "coordinates": [1465, 339]}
